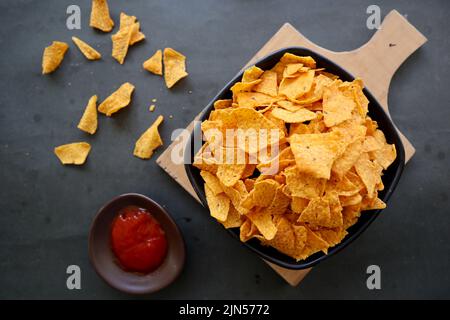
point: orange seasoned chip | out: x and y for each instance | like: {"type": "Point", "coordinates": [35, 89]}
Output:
{"type": "Point", "coordinates": [126, 21]}
{"type": "Point", "coordinates": [53, 56]}
{"type": "Point", "coordinates": [314, 243]}
{"type": "Point", "coordinates": [73, 153]}
{"type": "Point", "coordinates": [303, 185]}
{"type": "Point", "coordinates": [307, 61]}
{"type": "Point", "coordinates": [268, 84]}
{"type": "Point", "coordinates": [346, 161]}
{"type": "Point", "coordinates": [336, 106]}
{"type": "Point", "coordinates": [233, 220]}
{"type": "Point", "coordinates": [332, 236]}
{"type": "Point", "coordinates": [315, 153]}
{"type": "Point", "coordinates": [370, 173]}
{"type": "Point", "coordinates": [100, 18]}
{"type": "Point", "coordinates": [299, 204]}
{"type": "Point", "coordinates": [219, 204]}
{"type": "Point", "coordinates": [89, 52]}
{"type": "Point", "coordinates": [223, 104]}
{"type": "Point", "coordinates": [229, 174]}
{"type": "Point", "coordinates": [121, 42]}
{"type": "Point", "coordinates": [251, 74]}
{"type": "Point", "coordinates": [117, 100]}
{"type": "Point", "coordinates": [252, 99]}
{"type": "Point", "coordinates": [294, 88]}
{"type": "Point", "coordinates": [317, 213]}
{"type": "Point", "coordinates": [174, 67]}
{"type": "Point", "coordinates": [300, 115]}
{"type": "Point", "coordinates": [154, 63]}
{"type": "Point", "coordinates": [88, 122]}
{"type": "Point", "coordinates": [149, 141]}
{"type": "Point", "coordinates": [263, 221]}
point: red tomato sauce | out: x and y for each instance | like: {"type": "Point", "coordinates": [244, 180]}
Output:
{"type": "Point", "coordinates": [137, 240]}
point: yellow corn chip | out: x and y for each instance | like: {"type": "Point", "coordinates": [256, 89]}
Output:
{"type": "Point", "coordinates": [53, 56]}
{"type": "Point", "coordinates": [336, 106]}
{"type": "Point", "coordinates": [251, 74]}
{"type": "Point", "coordinates": [222, 104]}
{"type": "Point", "coordinates": [234, 219]}
{"type": "Point", "coordinates": [174, 67]}
{"type": "Point", "coordinates": [300, 115]}
{"type": "Point", "coordinates": [252, 99]}
{"type": "Point", "coordinates": [100, 18]}
{"type": "Point", "coordinates": [117, 100]}
{"type": "Point", "coordinates": [212, 182]}
{"type": "Point", "coordinates": [73, 153]}
{"type": "Point", "coordinates": [369, 173]}
{"type": "Point", "coordinates": [268, 84]}
{"type": "Point", "coordinates": [303, 185]}
{"type": "Point", "coordinates": [219, 204]}
{"type": "Point", "coordinates": [289, 58]}
{"type": "Point", "coordinates": [263, 221]}
{"type": "Point", "coordinates": [154, 63]}
{"type": "Point", "coordinates": [294, 88]}
{"type": "Point", "coordinates": [315, 153]}
{"type": "Point", "coordinates": [121, 42]}
{"type": "Point", "coordinates": [126, 21]}
{"type": "Point", "coordinates": [89, 52]}
{"type": "Point", "coordinates": [88, 121]}
{"type": "Point", "coordinates": [149, 141]}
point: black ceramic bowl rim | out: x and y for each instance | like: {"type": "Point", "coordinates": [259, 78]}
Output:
{"type": "Point", "coordinates": [390, 177]}
{"type": "Point", "coordinates": [103, 259]}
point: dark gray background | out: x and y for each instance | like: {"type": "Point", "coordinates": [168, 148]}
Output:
{"type": "Point", "coordinates": [46, 208]}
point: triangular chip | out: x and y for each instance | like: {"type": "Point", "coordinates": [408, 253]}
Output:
{"type": "Point", "coordinates": [233, 220]}
{"type": "Point", "coordinates": [263, 221]}
{"type": "Point", "coordinates": [252, 99]}
{"type": "Point", "coordinates": [289, 58]}
{"type": "Point", "coordinates": [317, 213]}
{"type": "Point", "coordinates": [88, 121]}
{"type": "Point", "coordinates": [370, 173]}
{"type": "Point", "coordinates": [117, 100]}
{"type": "Point", "coordinates": [219, 204]}
{"type": "Point", "coordinates": [336, 106]}
{"type": "Point", "coordinates": [100, 18]}
{"type": "Point", "coordinates": [126, 21]}
{"type": "Point", "coordinates": [174, 67]}
{"type": "Point", "coordinates": [154, 63]}
{"type": "Point", "coordinates": [89, 52]}
{"type": "Point", "coordinates": [121, 42]}
{"type": "Point", "coordinates": [212, 182]}
{"type": "Point", "coordinates": [149, 141]}
{"type": "Point", "coordinates": [53, 56]}
{"type": "Point", "coordinates": [294, 88]}
{"type": "Point", "coordinates": [303, 185]}
{"type": "Point", "coordinates": [315, 153]}
{"type": "Point", "coordinates": [268, 84]}
{"type": "Point", "coordinates": [73, 153]}
{"type": "Point", "coordinates": [251, 74]}
{"type": "Point", "coordinates": [300, 115]}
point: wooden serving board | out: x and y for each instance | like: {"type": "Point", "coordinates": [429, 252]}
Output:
{"type": "Point", "coordinates": [375, 62]}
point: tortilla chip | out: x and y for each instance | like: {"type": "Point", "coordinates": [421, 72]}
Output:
{"type": "Point", "coordinates": [89, 52]}
{"type": "Point", "coordinates": [336, 106]}
{"type": "Point", "coordinates": [346, 161]}
{"type": "Point", "coordinates": [126, 21]}
{"type": "Point", "coordinates": [251, 74]}
{"type": "Point", "coordinates": [73, 153]}
{"type": "Point", "coordinates": [314, 243]}
{"type": "Point", "coordinates": [100, 18]}
{"type": "Point", "coordinates": [234, 219]}
{"type": "Point", "coordinates": [263, 221]}
{"type": "Point", "coordinates": [117, 100]}
{"type": "Point", "coordinates": [154, 63]}
{"type": "Point", "coordinates": [315, 153]}
{"type": "Point", "coordinates": [212, 182]}
{"type": "Point", "coordinates": [268, 84]}
{"type": "Point", "coordinates": [121, 42]}
{"type": "Point", "coordinates": [149, 141]}
{"type": "Point", "coordinates": [229, 174]}
{"type": "Point", "coordinates": [174, 67]}
{"type": "Point", "coordinates": [53, 56]}
{"type": "Point", "coordinates": [222, 104]}
{"type": "Point", "coordinates": [289, 58]}
{"type": "Point", "coordinates": [252, 99]}
{"type": "Point", "coordinates": [219, 204]}
{"type": "Point", "coordinates": [300, 115]}
{"type": "Point", "coordinates": [88, 122]}
{"type": "Point", "coordinates": [370, 173]}
{"type": "Point", "coordinates": [294, 88]}
{"type": "Point", "coordinates": [332, 236]}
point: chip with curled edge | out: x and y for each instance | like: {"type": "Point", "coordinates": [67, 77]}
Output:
{"type": "Point", "coordinates": [117, 100]}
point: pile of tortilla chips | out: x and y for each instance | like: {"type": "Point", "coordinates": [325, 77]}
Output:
{"type": "Point", "coordinates": [300, 189]}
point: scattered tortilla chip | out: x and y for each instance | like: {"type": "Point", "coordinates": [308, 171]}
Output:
{"type": "Point", "coordinates": [301, 115]}
{"type": "Point", "coordinates": [117, 100]}
{"type": "Point", "coordinates": [149, 141]}
{"type": "Point", "coordinates": [174, 67]}
{"type": "Point", "coordinates": [154, 63]}
{"type": "Point", "coordinates": [73, 153]}
{"type": "Point", "coordinates": [89, 52]}
{"type": "Point", "coordinates": [121, 42]}
{"type": "Point", "coordinates": [88, 122]}
{"type": "Point", "coordinates": [53, 56]}
{"type": "Point", "coordinates": [219, 204]}
{"type": "Point", "coordinates": [126, 21]}
{"type": "Point", "coordinates": [100, 18]}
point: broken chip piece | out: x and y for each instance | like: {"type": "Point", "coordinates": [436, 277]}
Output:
{"type": "Point", "coordinates": [73, 153]}
{"type": "Point", "coordinates": [100, 18]}
{"type": "Point", "coordinates": [174, 67]}
{"type": "Point", "coordinates": [149, 141]}
{"type": "Point", "coordinates": [127, 21]}
{"type": "Point", "coordinates": [117, 100]}
{"type": "Point", "coordinates": [121, 42]}
{"type": "Point", "coordinates": [89, 52]}
{"type": "Point", "coordinates": [88, 121]}
{"type": "Point", "coordinates": [154, 63]}
{"type": "Point", "coordinates": [53, 56]}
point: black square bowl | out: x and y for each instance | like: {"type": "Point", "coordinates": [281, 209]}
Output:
{"type": "Point", "coordinates": [390, 177]}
